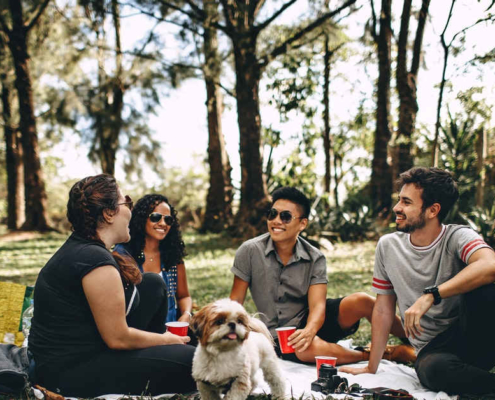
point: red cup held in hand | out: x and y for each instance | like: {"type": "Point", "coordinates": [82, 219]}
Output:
{"type": "Point", "coordinates": [177, 328]}
{"type": "Point", "coordinates": [324, 360]}
{"type": "Point", "coordinates": [283, 336]}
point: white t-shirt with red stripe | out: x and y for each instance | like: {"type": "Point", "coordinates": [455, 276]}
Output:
{"type": "Point", "coordinates": [405, 270]}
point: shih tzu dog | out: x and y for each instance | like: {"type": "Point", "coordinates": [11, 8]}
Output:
{"type": "Point", "coordinates": [232, 347]}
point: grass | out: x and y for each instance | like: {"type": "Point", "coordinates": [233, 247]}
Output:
{"type": "Point", "coordinates": [210, 257]}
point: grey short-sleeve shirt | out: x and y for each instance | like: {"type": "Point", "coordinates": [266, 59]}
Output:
{"type": "Point", "coordinates": [404, 270]}
{"type": "Point", "coordinates": [279, 293]}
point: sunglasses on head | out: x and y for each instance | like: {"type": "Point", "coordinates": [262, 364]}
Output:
{"type": "Point", "coordinates": [285, 216]}
{"type": "Point", "coordinates": [128, 203]}
{"type": "Point", "coordinates": [157, 217]}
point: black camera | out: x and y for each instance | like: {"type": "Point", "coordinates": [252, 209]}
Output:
{"type": "Point", "coordinates": [329, 381]}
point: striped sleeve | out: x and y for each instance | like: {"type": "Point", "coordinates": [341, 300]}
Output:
{"type": "Point", "coordinates": [468, 242]}
{"type": "Point", "coordinates": [381, 282]}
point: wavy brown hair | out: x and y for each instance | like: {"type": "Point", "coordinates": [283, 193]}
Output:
{"type": "Point", "coordinates": [88, 199]}
{"type": "Point", "coordinates": [172, 248]}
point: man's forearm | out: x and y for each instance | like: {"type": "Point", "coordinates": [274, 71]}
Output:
{"type": "Point", "coordinates": [380, 329]}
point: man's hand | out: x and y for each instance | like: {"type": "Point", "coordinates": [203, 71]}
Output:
{"type": "Point", "coordinates": [413, 315]}
{"type": "Point", "coordinates": [356, 371]}
{"type": "Point", "coordinates": [302, 339]}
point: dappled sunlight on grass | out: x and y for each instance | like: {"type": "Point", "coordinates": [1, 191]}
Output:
{"type": "Point", "coordinates": [210, 257]}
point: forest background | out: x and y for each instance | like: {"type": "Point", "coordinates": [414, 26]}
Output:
{"type": "Point", "coordinates": [217, 103]}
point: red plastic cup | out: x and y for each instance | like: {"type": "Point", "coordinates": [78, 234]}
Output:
{"type": "Point", "coordinates": [283, 336]}
{"type": "Point", "coordinates": [324, 360]}
{"type": "Point", "coordinates": [177, 328]}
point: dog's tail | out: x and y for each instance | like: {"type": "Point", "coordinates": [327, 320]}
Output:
{"type": "Point", "coordinates": [257, 325]}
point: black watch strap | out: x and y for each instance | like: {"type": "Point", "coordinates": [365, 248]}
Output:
{"type": "Point", "coordinates": [434, 291]}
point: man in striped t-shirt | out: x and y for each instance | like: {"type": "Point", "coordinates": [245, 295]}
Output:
{"type": "Point", "coordinates": [441, 277]}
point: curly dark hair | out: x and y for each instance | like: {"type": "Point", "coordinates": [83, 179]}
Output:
{"type": "Point", "coordinates": [88, 198]}
{"type": "Point", "coordinates": [172, 248]}
{"type": "Point", "coordinates": [439, 186]}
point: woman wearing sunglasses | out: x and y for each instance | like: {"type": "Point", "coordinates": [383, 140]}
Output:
{"type": "Point", "coordinates": [156, 244]}
{"type": "Point", "coordinates": [98, 322]}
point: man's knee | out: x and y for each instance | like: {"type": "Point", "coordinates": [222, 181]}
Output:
{"type": "Point", "coordinates": [433, 370]}
{"type": "Point", "coordinates": [361, 300]}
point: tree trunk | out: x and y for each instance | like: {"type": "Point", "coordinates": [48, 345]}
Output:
{"type": "Point", "coordinates": [34, 185]}
{"type": "Point", "coordinates": [15, 167]}
{"type": "Point", "coordinates": [381, 176]}
{"type": "Point", "coordinates": [481, 152]}
{"type": "Point", "coordinates": [254, 195]}
{"type": "Point", "coordinates": [407, 83]}
{"type": "Point", "coordinates": [327, 139]}
{"type": "Point", "coordinates": [218, 213]}
{"type": "Point", "coordinates": [446, 48]}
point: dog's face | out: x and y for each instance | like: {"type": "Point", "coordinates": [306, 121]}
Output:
{"type": "Point", "coordinates": [224, 323]}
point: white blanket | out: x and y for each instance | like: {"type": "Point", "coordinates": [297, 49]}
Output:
{"type": "Point", "coordinates": [298, 379]}
{"type": "Point", "coordinates": [394, 376]}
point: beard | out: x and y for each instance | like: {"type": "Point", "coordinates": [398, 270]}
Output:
{"type": "Point", "coordinates": [414, 224]}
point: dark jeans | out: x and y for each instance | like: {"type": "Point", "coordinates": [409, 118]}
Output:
{"type": "Point", "coordinates": [458, 360]}
{"type": "Point", "coordinates": [154, 370]}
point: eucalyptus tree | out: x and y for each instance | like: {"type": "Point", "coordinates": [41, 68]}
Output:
{"type": "Point", "coordinates": [13, 148]}
{"type": "Point", "coordinates": [381, 171]}
{"type": "Point", "coordinates": [206, 57]}
{"type": "Point", "coordinates": [448, 47]}
{"type": "Point", "coordinates": [218, 212]}
{"type": "Point", "coordinates": [16, 24]}
{"type": "Point", "coordinates": [241, 24]}
{"type": "Point", "coordinates": [407, 82]}
{"type": "Point", "coordinates": [118, 90]}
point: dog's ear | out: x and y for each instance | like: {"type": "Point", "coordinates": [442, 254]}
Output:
{"type": "Point", "coordinates": [198, 321]}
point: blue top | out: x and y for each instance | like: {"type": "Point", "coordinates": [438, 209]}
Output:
{"type": "Point", "coordinates": [170, 278]}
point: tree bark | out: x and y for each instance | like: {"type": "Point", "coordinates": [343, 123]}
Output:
{"type": "Point", "coordinates": [34, 184]}
{"type": "Point", "coordinates": [254, 195]}
{"type": "Point", "coordinates": [407, 83]}
{"type": "Point", "coordinates": [381, 175]}
{"type": "Point", "coordinates": [446, 48]}
{"type": "Point", "coordinates": [481, 152]}
{"type": "Point", "coordinates": [218, 213]}
{"type": "Point", "coordinates": [327, 138]}
{"type": "Point", "coordinates": [15, 167]}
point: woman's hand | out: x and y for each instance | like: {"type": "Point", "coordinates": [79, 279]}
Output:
{"type": "Point", "coordinates": [185, 317]}
{"type": "Point", "coordinates": [170, 338]}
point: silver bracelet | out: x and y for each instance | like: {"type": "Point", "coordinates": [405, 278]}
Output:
{"type": "Point", "coordinates": [188, 313]}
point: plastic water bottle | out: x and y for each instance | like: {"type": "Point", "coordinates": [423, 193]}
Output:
{"type": "Point", "coordinates": [27, 315]}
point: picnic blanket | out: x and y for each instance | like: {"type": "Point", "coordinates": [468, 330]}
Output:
{"type": "Point", "coordinates": [298, 379]}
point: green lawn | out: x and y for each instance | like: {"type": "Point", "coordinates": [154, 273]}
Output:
{"type": "Point", "coordinates": [350, 267]}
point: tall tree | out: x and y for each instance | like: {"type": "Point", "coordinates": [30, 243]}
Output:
{"type": "Point", "coordinates": [13, 148]}
{"type": "Point", "coordinates": [218, 213]}
{"type": "Point", "coordinates": [447, 47]}
{"type": "Point", "coordinates": [407, 80]}
{"type": "Point", "coordinates": [381, 172]}
{"type": "Point", "coordinates": [242, 28]}
{"type": "Point", "coordinates": [17, 41]}
{"type": "Point", "coordinates": [104, 97]}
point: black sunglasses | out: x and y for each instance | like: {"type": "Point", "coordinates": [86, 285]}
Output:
{"type": "Point", "coordinates": [128, 203]}
{"type": "Point", "coordinates": [285, 216]}
{"type": "Point", "coordinates": [157, 217]}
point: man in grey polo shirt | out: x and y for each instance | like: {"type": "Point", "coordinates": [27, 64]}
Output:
{"type": "Point", "coordinates": [288, 281]}
{"type": "Point", "coordinates": [442, 278]}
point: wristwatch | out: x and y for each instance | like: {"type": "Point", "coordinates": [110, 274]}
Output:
{"type": "Point", "coordinates": [434, 291]}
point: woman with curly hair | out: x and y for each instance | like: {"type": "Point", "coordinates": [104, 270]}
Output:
{"type": "Point", "coordinates": [98, 322]}
{"type": "Point", "coordinates": [157, 246]}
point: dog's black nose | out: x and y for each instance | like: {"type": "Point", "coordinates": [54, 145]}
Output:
{"type": "Point", "coordinates": [232, 325]}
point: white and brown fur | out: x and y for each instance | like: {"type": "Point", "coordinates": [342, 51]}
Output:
{"type": "Point", "coordinates": [232, 347]}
